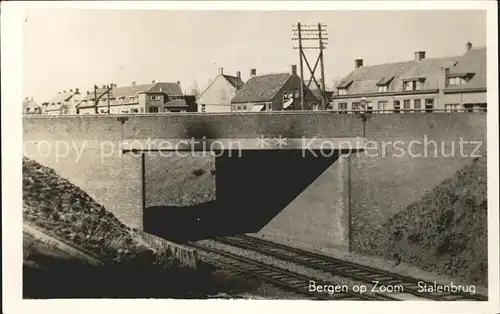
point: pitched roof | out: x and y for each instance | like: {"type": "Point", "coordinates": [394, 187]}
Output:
{"type": "Point", "coordinates": [366, 79]}
{"type": "Point", "coordinates": [62, 96]}
{"type": "Point", "coordinates": [171, 89]}
{"type": "Point", "coordinates": [261, 88]}
{"type": "Point", "coordinates": [235, 81]}
{"type": "Point", "coordinates": [472, 62]}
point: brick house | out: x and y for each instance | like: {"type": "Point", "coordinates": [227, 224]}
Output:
{"type": "Point", "coordinates": [419, 85]}
{"type": "Point", "coordinates": [273, 92]}
{"type": "Point", "coordinates": [144, 98]}
{"type": "Point", "coordinates": [217, 96]}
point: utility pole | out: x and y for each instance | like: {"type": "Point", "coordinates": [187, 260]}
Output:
{"type": "Point", "coordinates": [107, 92]}
{"type": "Point", "coordinates": [301, 68]}
{"type": "Point", "coordinates": [95, 99]}
{"type": "Point", "coordinates": [312, 32]}
{"type": "Point", "coordinates": [107, 89]}
{"type": "Point", "coordinates": [321, 60]}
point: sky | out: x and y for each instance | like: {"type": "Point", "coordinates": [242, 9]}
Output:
{"type": "Point", "coordinates": [77, 48]}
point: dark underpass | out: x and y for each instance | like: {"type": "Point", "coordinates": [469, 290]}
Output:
{"type": "Point", "coordinates": [250, 191]}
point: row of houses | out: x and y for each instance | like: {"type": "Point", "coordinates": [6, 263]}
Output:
{"type": "Point", "coordinates": [144, 98]}
{"type": "Point", "coordinates": [419, 85]}
{"type": "Point", "coordinates": [451, 84]}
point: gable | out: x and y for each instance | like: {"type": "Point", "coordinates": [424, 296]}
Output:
{"type": "Point", "coordinates": [219, 92]}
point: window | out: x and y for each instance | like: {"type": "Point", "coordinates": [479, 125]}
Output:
{"type": "Point", "coordinates": [244, 107]}
{"type": "Point", "coordinates": [356, 105]}
{"type": "Point", "coordinates": [155, 97]}
{"type": "Point", "coordinates": [417, 104]}
{"type": "Point", "coordinates": [121, 98]}
{"type": "Point", "coordinates": [134, 110]}
{"type": "Point", "coordinates": [153, 109]}
{"type": "Point", "coordinates": [239, 108]}
{"type": "Point", "coordinates": [382, 89]}
{"type": "Point", "coordinates": [342, 91]}
{"type": "Point", "coordinates": [429, 105]}
{"type": "Point", "coordinates": [406, 104]}
{"type": "Point", "coordinates": [451, 107]}
{"type": "Point", "coordinates": [457, 80]}
{"type": "Point", "coordinates": [203, 108]}
{"type": "Point", "coordinates": [132, 98]}
{"type": "Point", "coordinates": [343, 107]}
{"type": "Point", "coordinates": [409, 86]}
{"type": "Point", "coordinates": [269, 106]}
{"type": "Point", "coordinates": [382, 105]}
{"type": "Point", "coordinates": [369, 106]}
{"type": "Point", "coordinates": [397, 106]}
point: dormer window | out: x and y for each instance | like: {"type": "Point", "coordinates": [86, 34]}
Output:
{"type": "Point", "coordinates": [382, 89]}
{"type": "Point", "coordinates": [412, 85]}
{"type": "Point", "coordinates": [121, 98]}
{"type": "Point", "coordinates": [458, 80]}
{"type": "Point", "coordinates": [383, 84]}
{"type": "Point", "coordinates": [342, 91]}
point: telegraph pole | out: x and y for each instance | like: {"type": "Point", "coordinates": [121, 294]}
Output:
{"type": "Point", "coordinates": [301, 68]}
{"type": "Point", "coordinates": [107, 92]}
{"type": "Point", "coordinates": [312, 32]}
{"type": "Point", "coordinates": [321, 47]}
{"type": "Point", "coordinates": [95, 99]}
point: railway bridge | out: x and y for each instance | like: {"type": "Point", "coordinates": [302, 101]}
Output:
{"type": "Point", "coordinates": [299, 175]}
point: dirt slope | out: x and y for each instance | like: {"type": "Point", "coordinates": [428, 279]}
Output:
{"type": "Point", "coordinates": [445, 232]}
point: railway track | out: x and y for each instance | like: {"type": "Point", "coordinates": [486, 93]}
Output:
{"type": "Point", "coordinates": [398, 283]}
{"type": "Point", "coordinates": [287, 280]}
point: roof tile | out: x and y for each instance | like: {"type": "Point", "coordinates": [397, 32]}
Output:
{"type": "Point", "coordinates": [261, 88]}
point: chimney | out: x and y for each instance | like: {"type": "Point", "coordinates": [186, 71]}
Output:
{"type": "Point", "coordinates": [419, 55]}
{"type": "Point", "coordinates": [88, 92]}
{"type": "Point", "coordinates": [253, 72]}
{"type": "Point", "coordinates": [70, 90]}
{"type": "Point", "coordinates": [179, 82]}
{"type": "Point", "coordinates": [468, 46]}
{"type": "Point", "coordinates": [77, 91]}
{"type": "Point", "coordinates": [221, 71]}
{"type": "Point", "coordinates": [133, 84]}
{"type": "Point", "coordinates": [358, 63]}
{"type": "Point", "coordinates": [59, 92]}
{"type": "Point", "coordinates": [26, 98]}
{"type": "Point", "coordinates": [153, 81]}
{"type": "Point", "coordinates": [293, 69]}
{"type": "Point", "coordinates": [238, 74]}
